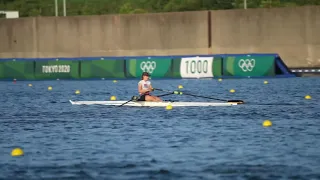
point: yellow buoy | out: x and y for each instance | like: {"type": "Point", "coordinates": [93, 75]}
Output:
{"type": "Point", "coordinates": [219, 79]}
{"type": "Point", "coordinates": [307, 97]}
{"type": "Point", "coordinates": [115, 81]}
{"type": "Point", "coordinates": [267, 123]}
{"type": "Point", "coordinates": [17, 152]}
{"type": "Point", "coordinates": [232, 90]}
{"type": "Point", "coordinates": [113, 98]}
{"type": "Point", "coordinates": [168, 107]}
{"type": "Point", "coordinates": [265, 82]}
{"type": "Point", "coordinates": [180, 86]}
{"type": "Point", "coordinates": [30, 85]}
{"type": "Point", "coordinates": [77, 92]}
{"type": "Point", "coordinates": [49, 88]}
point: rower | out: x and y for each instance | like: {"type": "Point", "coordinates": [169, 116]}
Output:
{"type": "Point", "coordinates": [144, 88]}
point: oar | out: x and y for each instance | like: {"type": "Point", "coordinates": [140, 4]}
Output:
{"type": "Point", "coordinates": [167, 94]}
{"type": "Point", "coordinates": [183, 93]}
{"type": "Point", "coordinates": [133, 98]}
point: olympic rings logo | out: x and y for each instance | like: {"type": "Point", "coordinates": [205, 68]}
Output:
{"type": "Point", "coordinates": [247, 64]}
{"type": "Point", "coordinates": [148, 66]}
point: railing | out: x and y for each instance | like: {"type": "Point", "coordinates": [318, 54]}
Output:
{"type": "Point", "coordinates": [305, 70]}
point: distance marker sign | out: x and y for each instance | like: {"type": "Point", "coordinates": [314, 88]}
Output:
{"type": "Point", "coordinates": [196, 67]}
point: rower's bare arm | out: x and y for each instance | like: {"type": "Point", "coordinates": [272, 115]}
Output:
{"type": "Point", "coordinates": [140, 89]}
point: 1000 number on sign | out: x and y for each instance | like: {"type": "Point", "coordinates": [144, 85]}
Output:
{"type": "Point", "coordinates": [197, 66]}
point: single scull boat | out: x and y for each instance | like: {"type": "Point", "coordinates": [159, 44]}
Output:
{"type": "Point", "coordinates": [152, 104]}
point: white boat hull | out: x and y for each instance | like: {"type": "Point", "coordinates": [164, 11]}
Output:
{"type": "Point", "coordinates": [152, 104]}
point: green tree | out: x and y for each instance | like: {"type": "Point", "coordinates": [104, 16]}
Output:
{"type": "Point", "coordinates": [97, 7]}
{"type": "Point", "coordinates": [307, 2]}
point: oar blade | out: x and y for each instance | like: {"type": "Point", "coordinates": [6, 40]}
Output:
{"type": "Point", "coordinates": [236, 101]}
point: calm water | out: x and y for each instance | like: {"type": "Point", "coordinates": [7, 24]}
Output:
{"type": "Point", "coordinates": [62, 141]}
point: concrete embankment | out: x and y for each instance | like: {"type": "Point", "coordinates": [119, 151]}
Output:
{"type": "Point", "coordinates": [290, 32]}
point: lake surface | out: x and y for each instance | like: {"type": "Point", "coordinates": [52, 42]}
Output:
{"type": "Point", "coordinates": [64, 141]}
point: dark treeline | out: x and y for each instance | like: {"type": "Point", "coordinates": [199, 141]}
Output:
{"type": "Point", "coordinates": [97, 7]}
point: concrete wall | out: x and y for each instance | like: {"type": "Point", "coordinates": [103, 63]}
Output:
{"type": "Point", "coordinates": [109, 35]}
{"type": "Point", "coordinates": [291, 32]}
{"type": "Point", "coordinates": [17, 37]}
